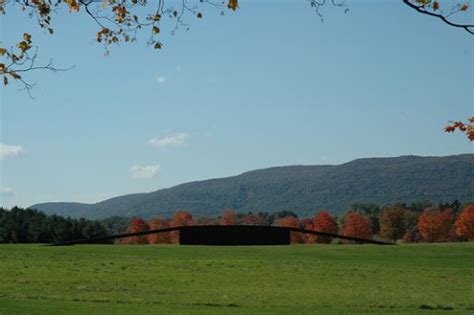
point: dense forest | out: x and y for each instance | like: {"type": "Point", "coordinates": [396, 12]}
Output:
{"type": "Point", "coordinates": [32, 226]}
{"type": "Point", "coordinates": [301, 189]}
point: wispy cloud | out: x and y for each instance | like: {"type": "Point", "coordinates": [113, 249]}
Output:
{"type": "Point", "coordinates": [6, 191]}
{"type": "Point", "coordinates": [145, 171]}
{"type": "Point", "coordinates": [160, 79]}
{"type": "Point", "coordinates": [10, 150]}
{"type": "Point", "coordinates": [170, 140]}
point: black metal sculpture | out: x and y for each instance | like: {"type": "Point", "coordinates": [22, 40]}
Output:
{"type": "Point", "coordinates": [227, 235]}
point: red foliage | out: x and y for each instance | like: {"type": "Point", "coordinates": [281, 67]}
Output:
{"type": "Point", "coordinates": [228, 217]}
{"type": "Point", "coordinates": [357, 225]}
{"type": "Point", "coordinates": [435, 226]}
{"type": "Point", "coordinates": [137, 225]}
{"type": "Point", "coordinates": [161, 238]}
{"type": "Point", "coordinates": [324, 222]}
{"type": "Point", "coordinates": [464, 225]}
{"type": "Point", "coordinates": [290, 221]}
{"type": "Point", "coordinates": [467, 128]}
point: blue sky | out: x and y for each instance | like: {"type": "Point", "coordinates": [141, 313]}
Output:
{"type": "Point", "coordinates": [267, 85]}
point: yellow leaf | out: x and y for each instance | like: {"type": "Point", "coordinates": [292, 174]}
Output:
{"type": "Point", "coordinates": [27, 37]}
{"type": "Point", "coordinates": [23, 46]}
{"type": "Point", "coordinates": [156, 30]}
{"type": "Point", "coordinates": [3, 51]}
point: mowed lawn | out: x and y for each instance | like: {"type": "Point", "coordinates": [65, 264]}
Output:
{"type": "Point", "coordinates": [116, 279]}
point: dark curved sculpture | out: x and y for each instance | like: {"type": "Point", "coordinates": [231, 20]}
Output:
{"type": "Point", "coordinates": [227, 235]}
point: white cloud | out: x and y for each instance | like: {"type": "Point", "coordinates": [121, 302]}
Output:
{"type": "Point", "coordinates": [160, 79]}
{"type": "Point", "coordinates": [6, 190]}
{"type": "Point", "coordinates": [147, 171]}
{"type": "Point", "coordinates": [10, 150]}
{"type": "Point", "coordinates": [170, 140]}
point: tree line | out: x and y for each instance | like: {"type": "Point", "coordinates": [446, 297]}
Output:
{"type": "Point", "coordinates": [31, 226]}
{"type": "Point", "coordinates": [419, 222]}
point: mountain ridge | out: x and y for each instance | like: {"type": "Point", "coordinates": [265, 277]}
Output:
{"type": "Point", "coordinates": [302, 189]}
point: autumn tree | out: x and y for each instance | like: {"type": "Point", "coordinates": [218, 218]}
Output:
{"type": "Point", "coordinates": [228, 217]}
{"type": "Point", "coordinates": [180, 218]}
{"type": "Point", "coordinates": [293, 222]}
{"type": "Point", "coordinates": [435, 225]}
{"type": "Point", "coordinates": [357, 225]}
{"type": "Point", "coordinates": [393, 221]}
{"type": "Point", "coordinates": [161, 238]}
{"type": "Point", "coordinates": [253, 219]}
{"type": "Point", "coordinates": [307, 224]}
{"type": "Point", "coordinates": [137, 225]}
{"type": "Point", "coordinates": [371, 211]}
{"type": "Point", "coordinates": [324, 222]}
{"type": "Point", "coordinates": [206, 221]}
{"type": "Point", "coordinates": [464, 226]}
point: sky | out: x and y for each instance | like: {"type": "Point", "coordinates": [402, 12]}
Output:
{"type": "Point", "coordinates": [268, 85]}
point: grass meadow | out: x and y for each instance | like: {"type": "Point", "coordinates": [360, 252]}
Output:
{"type": "Point", "coordinates": [120, 279]}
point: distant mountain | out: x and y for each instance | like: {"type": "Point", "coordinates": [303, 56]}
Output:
{"type": "Point", "coordinates": [301, 189]}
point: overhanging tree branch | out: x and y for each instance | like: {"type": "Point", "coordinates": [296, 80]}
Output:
{"type": "Point", "coordinates": [422, 9]}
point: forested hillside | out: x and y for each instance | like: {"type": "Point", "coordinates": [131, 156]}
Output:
{"type": "Point", "coordinates": [301, 189]}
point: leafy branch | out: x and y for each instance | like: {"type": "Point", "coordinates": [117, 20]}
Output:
{"type": "Point", "coordinates": [431, 7]}
{"type": "Point", "coordinates": [23, 59]}
{"type": "Point", "coordinates": [467, 128]}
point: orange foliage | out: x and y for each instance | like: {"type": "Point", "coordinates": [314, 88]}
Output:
{"type": "Point", "coordinates": [162, 238]}
{"type": "Point", "coordinates": [228, 217]}
{"type": "Point", "coordinates": [464, 225]}
{"type": "Point", "coordinates": [253, 219]}
{"type": "Point", "coordinates": [233, 4]}
{"type": "Point", "coordinates": [137, 225]}
{"type": "Point", "coordinates": [435, 226]}
{"type": "Point", "coordinates": [180, 218]}
{"type": "Point", "coordinates": [357, 225]}
{"type": "Point", "coordinates": [290, 221]}
{"type": "Point", "coordinates": [324, 222]}
{"type": "Point", "coordinates": [307, 224]}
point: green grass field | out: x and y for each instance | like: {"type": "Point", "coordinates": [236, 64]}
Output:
{"type": "Point", "coordinates": [277, 279]}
